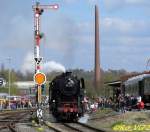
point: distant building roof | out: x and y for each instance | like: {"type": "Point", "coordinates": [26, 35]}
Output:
{"type": "Point", "coordinates": [129, 79]}
{"type": "Point", "coordinates": [136, 79]}
{"type": "Point", "coordinates": [127, 76]}
{"type": "Point", "coordinates": [114, 83]}
{"type": "Point", "coordinates": [25, 84]}
{"type": "Point", "coordinates": [3, 94]}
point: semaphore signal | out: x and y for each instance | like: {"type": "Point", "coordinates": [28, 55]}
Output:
{"type": "Point", "coordinates": [39, 77]}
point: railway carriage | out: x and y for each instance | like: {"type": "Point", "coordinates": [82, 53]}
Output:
{"type": "Point", "coordinates": [138, 86]}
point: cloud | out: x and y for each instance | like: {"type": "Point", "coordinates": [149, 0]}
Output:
{"type": "Point", "coordinates": [132, 58]}
{"type": "Point", "coordinates": [69, 1]}
{"type": "Point", "coordinates": [93, 1]}
{"type": "Point", "coordinates": [16, 24]}
{"type": "Point", "coordinates": [72, 1]}
{"type": "Point", "coordinates": [118, 36]}
{"type": "Point", "coordinates": [138, 2]}
{"type": "Point", "coordinates": [49, 66]}
{"type": "Point", "coordinates": [122, 27]}
{"type": "Point", "coordinates": [19, 34]}
{"type": "Point", "coordinates": [113, 4]}
{"type": "Point", "coordinates": [65, 35]}
{"type": "Point", "coordinates": [126, 43]}
{"type": "Point", "coordinates": [118, 4]}
{"type": "Point", "coordinates": [63, 32]}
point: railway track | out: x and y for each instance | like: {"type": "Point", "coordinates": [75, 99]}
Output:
{"type": "Point", "coordinates": [13, 117]}
{"type": "Point", "coordinates": [80, 127]}
{"type": "Point", "coordinates": [5, 112]}
{"type": "Point", "coordinates": [71, 127]}
{"type": "Point", "coordinates": [9, 127]}
{"type": "Point", "coordinates": [8, 120]}
{"type": "Point", "coordinates": [104, 116]}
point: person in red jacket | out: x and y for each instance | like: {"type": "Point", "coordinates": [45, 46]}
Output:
{"type": "Point", "coordinates": [140, 105]}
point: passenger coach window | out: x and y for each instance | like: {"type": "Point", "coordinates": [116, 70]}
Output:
{"type": "Point", "coordinates": [147, 86]}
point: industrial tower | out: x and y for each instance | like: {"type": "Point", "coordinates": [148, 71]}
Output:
{"type": "Point", "coordinates": [97, 50]}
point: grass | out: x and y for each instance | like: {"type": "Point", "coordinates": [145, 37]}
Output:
{"type": "Point", "coordinates": [102, 112]}
{"type": "Point", "coordinates": [117, 123]}
{"type": "Point", "coordinates": [128, 119]}
{"type": "Point", "coordinates": [140, 119]}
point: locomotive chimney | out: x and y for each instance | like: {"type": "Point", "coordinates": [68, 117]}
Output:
{"type": "Point", "coordinates": [97, 50]}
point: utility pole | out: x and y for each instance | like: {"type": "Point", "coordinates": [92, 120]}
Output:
{"type": "Point", "coordinates": [9, 62]}
{"type": "Point", "coordinates": [39, 77]}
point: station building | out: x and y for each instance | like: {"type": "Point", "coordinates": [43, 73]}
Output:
{"type": "Point", "coordinates": [25, 87]}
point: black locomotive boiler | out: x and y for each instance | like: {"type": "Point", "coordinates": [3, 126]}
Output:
{"type": "Point", "coordinates": [66, 97]}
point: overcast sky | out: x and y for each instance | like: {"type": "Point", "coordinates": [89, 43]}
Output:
{"type": "Point", "coordinates": [69, 34]}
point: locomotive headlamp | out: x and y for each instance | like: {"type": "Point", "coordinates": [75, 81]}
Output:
{"type": "Point", "coordinates": [53, 101]}
{"type": "Point", "coordinates": [70, 83]}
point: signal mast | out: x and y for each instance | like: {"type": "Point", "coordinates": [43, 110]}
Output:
{"type": "Point", "coordinates": [39, 77]}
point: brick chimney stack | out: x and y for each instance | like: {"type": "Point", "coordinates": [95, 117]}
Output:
{"type": "Point", "coordinates": [97, 49]}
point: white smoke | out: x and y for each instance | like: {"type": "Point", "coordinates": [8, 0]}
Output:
{"type": "Point", "coordinates": [47, 67]}
{"type": "Point", "coordinates": [28, 63]}
{"type": "Point", "coordinates": [51, 66]}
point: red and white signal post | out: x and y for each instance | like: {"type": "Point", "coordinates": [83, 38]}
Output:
{"type": "Point", "coordinates": [39, 77]}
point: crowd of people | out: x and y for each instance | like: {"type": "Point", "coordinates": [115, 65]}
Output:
{"type": "Point", "coordinates": [127, 102]}
{"type": "Point", "coordinates": [13, 104]}
{"type": "Point", "coordinates": [119, 103]}
{"type": "Point", "coordinates": [93, 104]}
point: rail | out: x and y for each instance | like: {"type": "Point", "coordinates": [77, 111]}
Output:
{"type": "Point", "coordinates": [64, 127]}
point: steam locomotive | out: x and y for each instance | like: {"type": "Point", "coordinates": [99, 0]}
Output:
{"type": "Point", "coordinates": [66, 97]}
